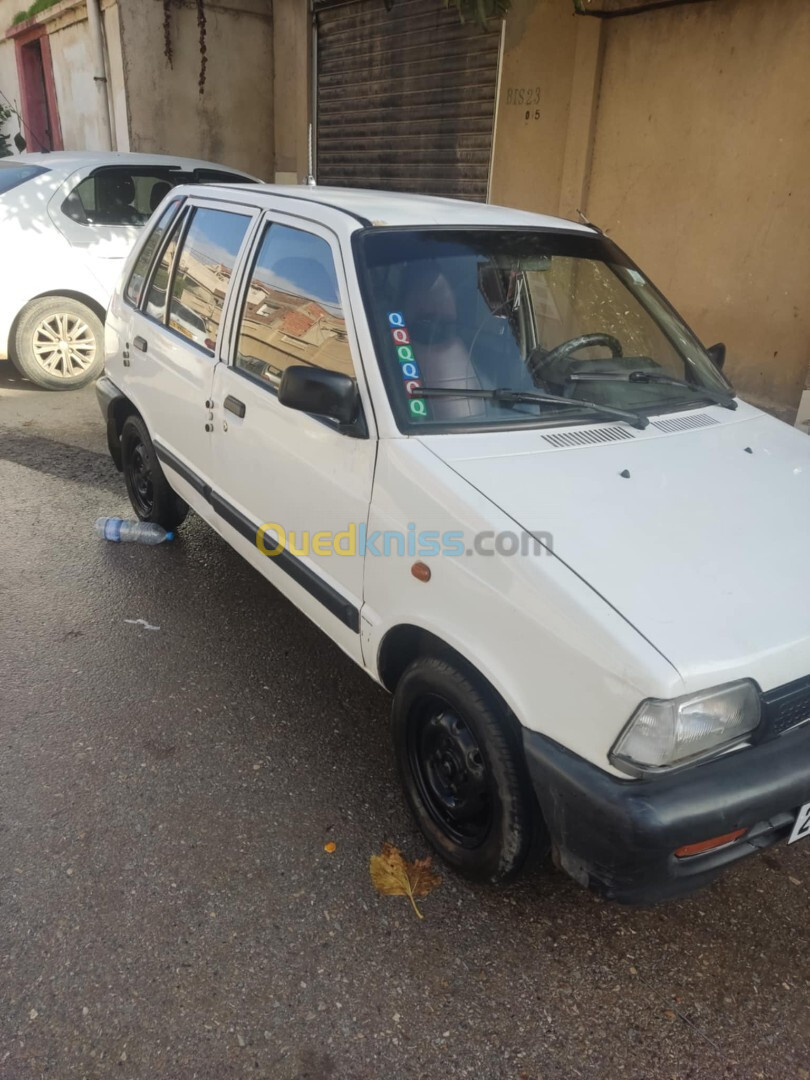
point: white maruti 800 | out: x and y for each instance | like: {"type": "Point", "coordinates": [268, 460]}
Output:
{"type": "Point", "coordinates": [482, 452]}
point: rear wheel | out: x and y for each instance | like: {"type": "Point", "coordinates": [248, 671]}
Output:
{"type": "Point", "coordinates": [59, 343]}
{"type": "Point", "coordinates": [148, 489]}
{"type": "Point", "coordinates": [462, 767]}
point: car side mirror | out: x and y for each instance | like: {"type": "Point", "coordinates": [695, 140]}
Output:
{"type": "Point", "coordinates": [717, 354]}
{"type": "Point", "coordinates": [325, 393]}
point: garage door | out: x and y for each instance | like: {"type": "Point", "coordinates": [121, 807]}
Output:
{"type": "Point", "coordinates": [406, 97]}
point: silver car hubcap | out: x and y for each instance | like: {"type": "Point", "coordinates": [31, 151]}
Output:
{"type": "Point", "coordinates": [64, 345]}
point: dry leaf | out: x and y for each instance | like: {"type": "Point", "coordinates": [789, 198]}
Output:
{"type": "Point", "coordinates": [330, 847]}
{"type": "Point", "coordinates": [393, 875]}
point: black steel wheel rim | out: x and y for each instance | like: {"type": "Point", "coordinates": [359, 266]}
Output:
{"type": "Point", "coordinates": [451, 773]}
{"type": "Point", "coordinates": [140, 476]}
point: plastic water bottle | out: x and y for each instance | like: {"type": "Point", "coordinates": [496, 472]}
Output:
{"type": "Point", "coordinates": [119, 531]}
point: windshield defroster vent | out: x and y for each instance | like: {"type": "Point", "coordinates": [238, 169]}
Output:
{"type": "Point", "coordinates": [684, 423]}
{"type": "Point", "coordinates": [588, 438]}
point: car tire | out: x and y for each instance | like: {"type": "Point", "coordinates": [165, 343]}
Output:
{"type": "Point", "coordinates": [463, 770]}
{"type": "Point", "coordinates": [148, 489]}
{"type": "Point", "coordinates": [59, 343]}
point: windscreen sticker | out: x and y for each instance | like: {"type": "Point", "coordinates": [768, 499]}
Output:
{"type": "Point", "coordinates": [409, 368]}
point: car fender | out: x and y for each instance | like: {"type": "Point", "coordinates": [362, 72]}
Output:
{"type": "Point", "coordinates": [564, 661]}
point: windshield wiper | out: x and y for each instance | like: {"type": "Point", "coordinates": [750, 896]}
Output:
{"type": "Point", "coordinates": [527, 397]}
{"type": "Point", "coordinates": [719, 397]}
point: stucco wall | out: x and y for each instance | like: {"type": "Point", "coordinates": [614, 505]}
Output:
{"type": "Point", "coordinates": [700, 167]}
{"type": "Point", "coordinates": [76, 94]}
{"type": "Point", "coordinates": [292, 89]}
{"type": "Point", "coordinates": [8, 61]}
{"type": "Point", "coordinates": [232, 121]}
{"type": "Point", "coordinates": [534, 100]}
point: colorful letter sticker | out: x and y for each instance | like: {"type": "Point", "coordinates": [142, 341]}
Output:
{"type": "Point", "coordinates": [410, 369]}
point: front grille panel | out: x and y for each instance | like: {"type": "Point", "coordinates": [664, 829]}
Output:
{"type": "Point", "coordinates": [787, 706]}
{"type": "Point", "coordinates": [684, 423]}
{"type": "Point", "coordinates": [587, 438]}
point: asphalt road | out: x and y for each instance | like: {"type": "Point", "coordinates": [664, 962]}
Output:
{"type": "Point", "coordinates": [167, 908]}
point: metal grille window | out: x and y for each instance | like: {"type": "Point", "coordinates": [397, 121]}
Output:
{"type": "Point", "coordinates": [406, 98]}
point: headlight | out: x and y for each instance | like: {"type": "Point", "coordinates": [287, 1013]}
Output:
{"type": "Point", "coordinates": [662, 734]}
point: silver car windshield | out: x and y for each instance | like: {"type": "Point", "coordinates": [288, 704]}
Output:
{"type": "Point", "coordinates": [564, 314]}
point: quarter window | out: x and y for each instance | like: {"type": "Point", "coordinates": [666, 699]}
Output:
{"type": "Point", "coordinates": [203, 273]}
{"type": "Point", "coordinates": [156, 296]}
{"type": "Point", "coordinates": [292, 312]}
{"type": "Point", "coordinates": [148, 252]}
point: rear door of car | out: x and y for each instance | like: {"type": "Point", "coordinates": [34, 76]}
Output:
{"type": "Point", "coordinates": [176, 324]}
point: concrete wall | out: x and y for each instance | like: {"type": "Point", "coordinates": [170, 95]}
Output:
{"type": "Point", "coordinates": [72, 58]}
{"type": "Point", "coordinates": [232, 121]}
{"type": "Point", "coordinates": [292, 89]}
{"type": "Point", "coordinates": [700, 167]}
{"type": "Point", "coordinates": [79, 115]}
{"type": "Point", "coordinates": [534, 101]}
{"type": "Point", "coordinates": [685, 134]}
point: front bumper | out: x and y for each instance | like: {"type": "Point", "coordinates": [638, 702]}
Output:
{"type": "Point", "coordinates": [618, 836]}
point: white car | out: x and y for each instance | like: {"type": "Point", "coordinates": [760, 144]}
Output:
{"type": "Point", "coordinates": [67, 223]}
{"type": "Point", "coordinates": [480, 451]}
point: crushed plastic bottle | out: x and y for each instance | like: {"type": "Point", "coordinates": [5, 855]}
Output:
{"type": "Point", "coordinates": [142, 532]}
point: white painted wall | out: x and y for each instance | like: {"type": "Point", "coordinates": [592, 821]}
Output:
{"type": "Point", "coordinates": [76, 95]}
{"type": "Point", "coordinates": [115, 73]}
{"type": "Point", "coordinates": [9, 85]}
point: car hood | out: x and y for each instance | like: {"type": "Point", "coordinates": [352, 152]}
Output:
{"type": "Point", "coordinates": [696, 530]}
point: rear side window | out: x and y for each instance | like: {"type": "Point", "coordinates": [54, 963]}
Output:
{"type": "Point", "coordinates": [12, 175]}
{"type": "Point", "coordinates": [148, 252]}
{"type": "Point", "coordinates": [116, 196]}
{"type": "Point", "coordinates": [203, 272]}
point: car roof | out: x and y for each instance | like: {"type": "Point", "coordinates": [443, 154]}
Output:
{"type": "Point", "coordinates": [68, 161]}
{"type": "Point", "coordinates": [392, 208]}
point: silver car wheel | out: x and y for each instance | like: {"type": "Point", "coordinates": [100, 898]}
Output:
{"type": "Point", "coordinates": [64, 345]}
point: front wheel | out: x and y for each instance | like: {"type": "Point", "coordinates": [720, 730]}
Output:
{"type": "Point", "coordinates": [462, 767]}
{"type": "Point", "coordinates": [148, 489]}
{"type": "Point", "coordinates": [59, 343]}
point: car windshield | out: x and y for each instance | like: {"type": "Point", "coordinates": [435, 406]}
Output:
{"type": "Point", "coordinates": [564, 314]}
{"type": "Point", "coordinates": [13, 174]}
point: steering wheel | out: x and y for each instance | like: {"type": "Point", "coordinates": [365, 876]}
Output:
{"type": "Point", "coordinates": [551, 367]}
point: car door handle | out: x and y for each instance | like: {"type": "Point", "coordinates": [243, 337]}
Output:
{"type": "Point", "coordinates": [235, 406]}
{"type": "Point", "coordinates": [140, 343]}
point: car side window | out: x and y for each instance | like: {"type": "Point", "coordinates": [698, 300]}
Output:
{"type": "Point", "coordinates": [155, 305]}
{"type": "Point", "coordinates": [118, 196]}
{"type": "Point", "coordinates": [148, 252]}
{"type": "Point", "coordinates": [203, 272]}
{"type": "Point", "coordinates": [292, 312]}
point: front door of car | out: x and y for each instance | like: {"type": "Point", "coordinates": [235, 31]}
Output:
{"type": "Point", "coordinates": [299, 475]}
{"type": "Point", "coordinates": [176, 331]}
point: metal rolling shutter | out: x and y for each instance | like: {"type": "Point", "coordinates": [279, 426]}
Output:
{"type": "Point", "coordinates": [406, 98]}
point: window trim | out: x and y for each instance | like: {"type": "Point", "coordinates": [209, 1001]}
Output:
{"type": "Point", "coordinates": [178, 228]}
{"type": "Point", "coordinates": [183, 224]}
{"type": "Point", "coordinates": [179, 204]}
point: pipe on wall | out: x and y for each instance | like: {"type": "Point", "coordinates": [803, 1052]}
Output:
{"type": "Point", "coordinates": [100, 73]}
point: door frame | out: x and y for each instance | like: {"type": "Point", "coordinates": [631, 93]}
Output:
{"type": "Point", "coordinates": [23, 38]}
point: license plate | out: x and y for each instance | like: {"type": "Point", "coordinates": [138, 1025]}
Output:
{"type": "Point", "coordinates": [802, 827]}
